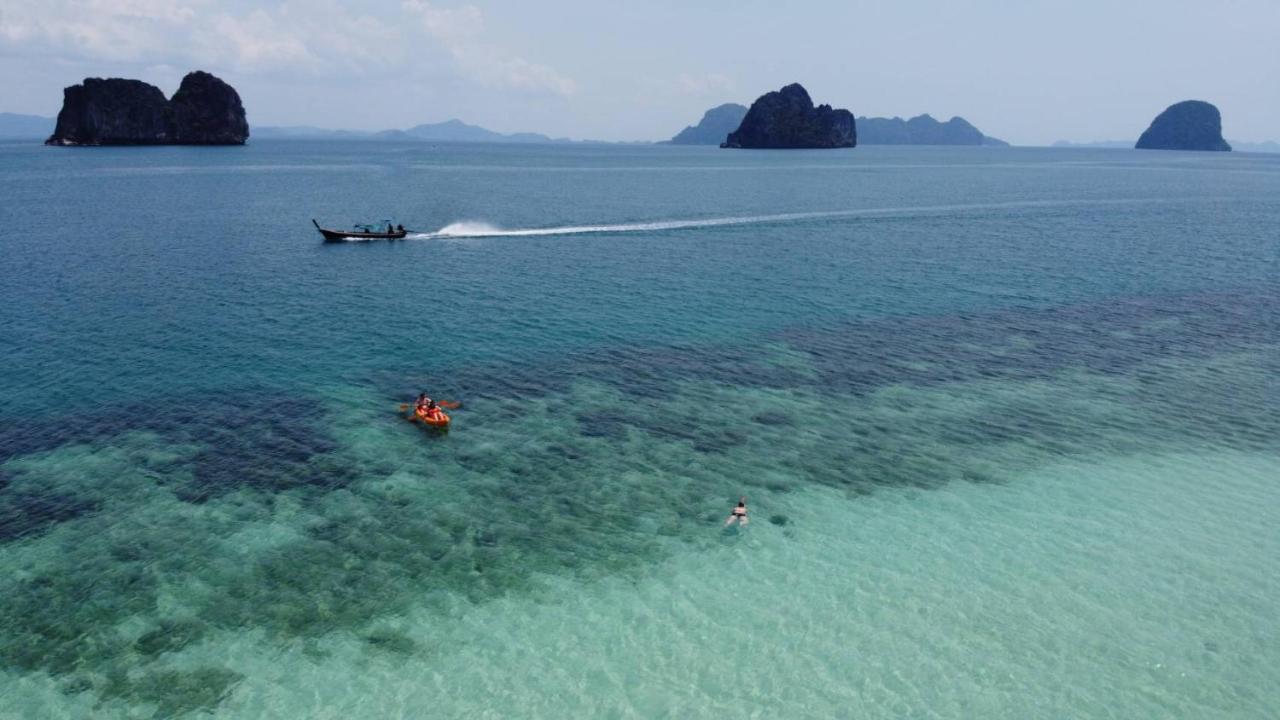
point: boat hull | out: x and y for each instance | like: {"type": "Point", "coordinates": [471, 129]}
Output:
{"type": "Point", "coordinates": [439, 423]}
{"type": "Point", "coordinates": [354, 236]}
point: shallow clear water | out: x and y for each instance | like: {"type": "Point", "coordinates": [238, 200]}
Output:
{"type": "Point", "coordinates": [1007, 420]}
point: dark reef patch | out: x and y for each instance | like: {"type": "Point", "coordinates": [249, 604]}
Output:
{"type": "Point", "coordinates": [1108, 338]}
{"type": "Point", "coordinates": [28, 512]}
{"type": "Point", "coordinates": [371, 546]}
{"type": "Point", "coordinates": [391, 641]}
{"type": "Point", "coordinates": [773, 418]}
{"type": "Point", "coordinates": [641, 372]}
{"type": "Point", "coordinates": [63, 621]}
{"type": "Point", "coordinates": [603, 423]}
{"type": "Point", "coordinates": [267, 447]}
{"type": "Point", "coordinates": [263, 441]}
{"type": "Point", "coordinates": [173, 693]}
{"type": "Point", "coordinates": [169, 636]}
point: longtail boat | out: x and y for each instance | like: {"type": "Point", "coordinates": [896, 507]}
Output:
{"type": "Point", "coordinates": [361, 232]}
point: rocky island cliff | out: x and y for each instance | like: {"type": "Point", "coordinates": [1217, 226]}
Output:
{"type": "Point", "coordinates": [204, 111]}
{"type": "Point", "coordinates": [1188, 125]}
{"type": "Point", "coordinates": [787, 119]}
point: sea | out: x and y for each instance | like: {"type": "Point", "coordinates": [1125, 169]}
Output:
{"type": "Point", "coordinates": [1006, 421]}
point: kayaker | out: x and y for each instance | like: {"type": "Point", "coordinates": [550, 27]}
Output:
{"type": "Point", "coordinates": [422, 402]}
{"type": "Point", "coordinates": [739, 514]}
{"type": "Point", "coordinates": [433, 411]}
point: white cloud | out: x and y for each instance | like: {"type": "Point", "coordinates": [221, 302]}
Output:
{"type": "Point", "coordinates": [91, 29]}
{"type": "Point", "coordinates": [313, 37]}
{"type": "Point", "coordinates": [708, 84]}
{"type": "Point", "coordinates": [457, 24]}
{"type": "Point", "coordinates": [255, 40]}
{"type": "Point", "coordinates": [494, 70]}
{"type": "Point", "coordinates": [164, 10]}
{"type": "Point", "coordinates": [461, 31]}
{"type": "Point", "coordinates": [317, 38]}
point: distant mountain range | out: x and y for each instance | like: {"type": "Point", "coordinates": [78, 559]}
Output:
{"type": "Point", "coordinates": [447, 131]}
{"type": "Point", "coordinates": [22, 127]}
{"type": "Point", "coordinates": [714, 127]}
{"type": "Point", "coordinates": [1095, 144]}
{"type": "Point", "coordinates": [1269, 146]}
{"type": "Point", "coordinates": [922, 130]}
{"type": "Point", "coordinates": [15, 126]}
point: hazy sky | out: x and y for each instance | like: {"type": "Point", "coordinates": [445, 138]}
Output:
{"type": "Point", "coordinates": [1030, 72]}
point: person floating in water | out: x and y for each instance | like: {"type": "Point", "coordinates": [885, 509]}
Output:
{"type": "Point", "coordinates": [739, 514]}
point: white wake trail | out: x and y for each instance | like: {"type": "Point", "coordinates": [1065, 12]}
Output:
{"type": "Point", "coordinates": [477, 229]}
{"type": "Point", "coordinates": [472, 229]}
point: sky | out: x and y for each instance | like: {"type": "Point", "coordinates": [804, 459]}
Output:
{"type": "Point", "coordinates": [1029, 72]}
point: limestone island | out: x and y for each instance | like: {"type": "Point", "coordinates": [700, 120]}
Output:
{"type": "Point", "coordinates": [204, 111]}
{"type": "Point", "coordinates": [1188, 125]}
{"type": "Point", "coordinates": [787, 119]}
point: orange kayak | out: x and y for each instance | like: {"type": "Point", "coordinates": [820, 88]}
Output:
{"type": "Point", "coordinates": [439, 420]}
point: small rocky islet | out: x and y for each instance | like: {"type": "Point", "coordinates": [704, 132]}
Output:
{"type": "Point", "coordinates": [1188, 125]}
{"type": "Point", "coordinates": [116, 111]}
{"type": "Point", "coordinates": [788, 119]}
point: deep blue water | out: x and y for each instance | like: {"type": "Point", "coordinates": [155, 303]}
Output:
{"type": "Point", "coordinates": [176, 337]}
{"type": "Point", "coordinates": [135, 274]}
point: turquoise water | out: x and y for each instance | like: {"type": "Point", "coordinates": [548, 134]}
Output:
{"type": "Point", "coordinates": [1007, 419]}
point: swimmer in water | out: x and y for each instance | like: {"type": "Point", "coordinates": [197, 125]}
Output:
{"type": "Point", "coordinates": [739, 514]}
